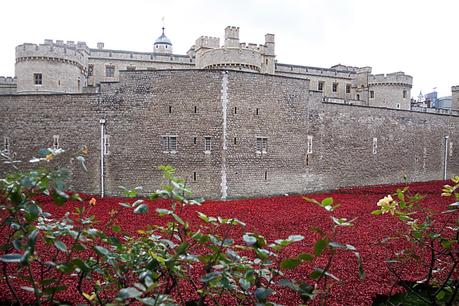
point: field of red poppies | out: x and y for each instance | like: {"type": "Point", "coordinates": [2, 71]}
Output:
{"type": "Point", "coordinates": [279, 217]}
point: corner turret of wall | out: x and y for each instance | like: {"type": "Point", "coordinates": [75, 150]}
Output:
{"type": "Point", "coordinates": [392, 90]}
{"type": "Point", "coordinates": [455, 97]}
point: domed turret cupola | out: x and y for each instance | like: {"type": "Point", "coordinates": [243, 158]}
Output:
{"type": "Point", "coordinates": [162, 45]}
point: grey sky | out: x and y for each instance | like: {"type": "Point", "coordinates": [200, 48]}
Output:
{"type": "Point", "coordinates": [417, 37]}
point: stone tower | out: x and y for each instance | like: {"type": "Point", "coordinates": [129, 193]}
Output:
{"type": "Point", "coordinates": [52, 67]}
{"type": "Point", "coordinates": [455, 97]}
{"type": "Point", "coordinates": [162, 45]}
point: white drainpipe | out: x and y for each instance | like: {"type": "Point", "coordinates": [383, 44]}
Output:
{"type": "Point", "coordinates": [102, 162]}
{"type": "Point", "coordinates": [445, 169]}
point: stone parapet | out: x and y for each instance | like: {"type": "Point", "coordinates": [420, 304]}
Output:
{"type": "Point", "coordinates": [396, 78]}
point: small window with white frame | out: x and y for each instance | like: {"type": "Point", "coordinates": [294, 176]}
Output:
{"type": "Point", "coordinates": [6, 145]}
{"type": "Point", "coordinates": [372, 94]}
{"type": "Point", "coordinates": [169, 144]}
{"type": "Point", "coordinates": [106, 144]}
{"type": "Point", "coordinates": [450, 149]}
{"type": "Point", "coordinates": [309, 147]}
{"type": "Point", "coordinates": [262, 145]}
{"type": "Point", "coordinates": [375, 145]}
{"type": "Point", "coordinates": [55, 142]}
{"type": "Point", "coordinates": [207, 144]}
{"type": "Point", "coordinates": [110, 71]}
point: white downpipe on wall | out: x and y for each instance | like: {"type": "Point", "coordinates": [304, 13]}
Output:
{"type": "Point", "coordinates": [102, 162]}
{"type": "Point", "coordinates": [224, 101]}
{"type": "Point", "coordinates": [445, 169]}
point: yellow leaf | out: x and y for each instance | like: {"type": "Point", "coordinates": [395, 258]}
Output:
{"type": "Point", "coordinates": [89, 297]}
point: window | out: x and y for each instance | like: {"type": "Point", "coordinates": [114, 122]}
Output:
{"type": "Point", "coordinates": [195, 176]}
{"type": "Point", "coordinates": [358, 97]}
{"type": "Point", "coordinates": [320, 86]}
{"type": "Point", "coordinates": [256, 111]}
{"type": "Point", "coordinates": [404, 94]}
{"type": "Point", "coordinates": [110, 71]}
{"type": "Point", "coordinates": [130, 68]}
{"type": "Point", "coordinates": [375, 145]}
{"type": "Point", "coordinates": [348, 88]}
{"type": "Point", "coordinates": [309, 147]}
{"type": "Point", "coordinates": [56, 142]}
{"type": "Point", "coordinates": [170, 109]}
{"type": "Point", "coordinates": [398, 106]}
{"type": "Point", "coordinates": [195, 109]}
{"type": "Point", "coordinates": [90, 70]}
{"type": "Point", "coordinates": [335, 87]}
{"type": "Point", "coordinates": [262, 144]}
{"type": "Point", "coordinates": [372, 94]}
{"type": "Point", "coordinates": [235, 110]}
{"type": "Point", "coordinates": [195, 139]}
{"type": "Point", "coordinates": [106, 144]}
{"type": "Point", "coordinates": [169, 144]}
{"type": "Point", "coordinates": [235, 140]}
{"type": "Point", "coordinates": [38, 79]}
{"type": "Point", "coordinates": [207, 144]}
{"type": "Point", "coordinates": [450, 149]}
{"type": "Point", "coordinates": [6, 145]}
{"type": "Point", "coordinates": [266, 175]}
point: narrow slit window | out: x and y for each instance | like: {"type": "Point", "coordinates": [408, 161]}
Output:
{"type": "Point", "coordinates": [306, 161]}
{"type": "Point", "coordinates": [375, 145]}
{"type": "Point", "coordinates": [106, 144]}
{"type": "Point", "coordinates": [256, 111]}
{"type": "Point", "coordinates": [56, 142]}
{"type": "Point", "coordinates": [404, 94]}
{"type": "Point", "coordinates": [309, 145]}
{"type": "Point", "coordinates": [6, 145]}
{"type": "Point", "coordinates": [195, 176]}
{"type": "Point", "coordinates": [372, 94]}
{"type": "Point", "coordinates": [195, 109]}
{"type": "Point", "coordinates": [170, 109]}
{"type": "Point", "coordinates": [235, 140]}
{"type": "Point", "coordinates": [235, 110]}
{"type": "Point", "coordinates": [450, 149]}
{"type": "Point", "coordinates": [195, 140]}
{"type": "Point", "coordinates": [266, 175]}
{"type": "Point", "coordinates": [207, 144]}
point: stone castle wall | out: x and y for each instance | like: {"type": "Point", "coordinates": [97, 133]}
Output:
{"type": "Point", "coordinates": [348, 145]}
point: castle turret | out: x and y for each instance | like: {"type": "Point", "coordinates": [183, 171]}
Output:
{"type": "Point", "coordinates": [52, 67]}
{"type": "Point", "coordinates": [231, 37]}
{"type": "Point", "coordinates": [162, 45]}
{"type": "Point", "coordinates": [391, 91]}
{"type": "Point", "coordinates": [455, 98]}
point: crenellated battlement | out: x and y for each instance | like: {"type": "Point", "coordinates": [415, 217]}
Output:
{"type": "Point", "coordinates": [207, 42]}
{"type": "Point", "coordinates": [396, 78]}
{"type": "Point", "coordinates": [7, 80]}
{"type": "Point", "coordinates": [71, 52]}
{"type": "Point", "coordinates": [455, 88]}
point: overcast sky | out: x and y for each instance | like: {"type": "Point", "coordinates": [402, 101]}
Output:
{"type": "Point", "coordinates": [417, 37]}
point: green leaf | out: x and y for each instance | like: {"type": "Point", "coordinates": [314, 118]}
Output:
{"type": "Point", "coordinates": [245, 284]}
{"type": "Point", "coordinates": [141, 209]}
{"type": "Point", "coordinates": [116, 228]}
{"type": "Point", "coordinates": [66, 268]}
{"type": "Point", "coordinates": [202, 216]}
{"type": "Point", "coordinates": [290, 263]}
{"type": "Point", "coordinates": [320, 246]}
{"type": "Point", "coordinates": [327, 202]}
{"type": "Point", "coordinates": [316, 273]}
{"type": "Point", "coordinates": [178, 219]}
{"type": "Point", "coordinates": [305, 257]}
{"type": "Point", "coordinates": [127, 293]}
{"type": "Point", "coordinates": [163, 212]}
{"type": "Point", "coordinates": [60, 246]}
{"type": "Point", "coordinates": [249, 239]}
{"type": "Point", "coordinates": [295, 238]}
{"type": "Point", "coordinates": [11, 258]}
{"type": "Point", "coordinates": [101, 250]}
{"type": "Point", "coordinates": [210, 276]}
{"type": "Point", "coordinates": [376, 212]}
{"type": "Point", "coordinates": [261, 294]}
